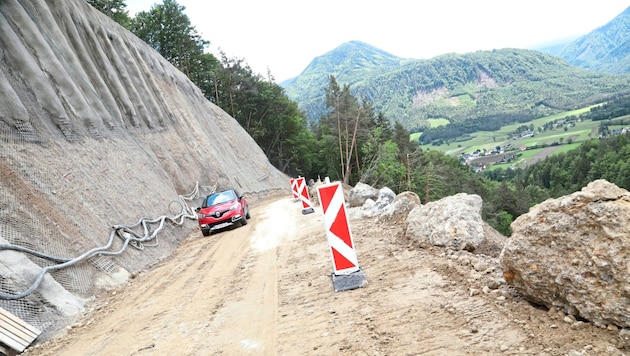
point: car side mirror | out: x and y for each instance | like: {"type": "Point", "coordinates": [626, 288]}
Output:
{"type": "Point", "coordinates": [198, 209]}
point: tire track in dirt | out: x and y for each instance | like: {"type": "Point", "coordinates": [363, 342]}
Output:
{"type": "Point", "coordinates": [194, 293]}
{"type": "Point", "coordinates": [175, 302]}
{"type": "Point", "coordinates": [246, 324]}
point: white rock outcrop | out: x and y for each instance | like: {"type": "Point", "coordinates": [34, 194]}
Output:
{"type": "Point", "coordinates": [385, 198]}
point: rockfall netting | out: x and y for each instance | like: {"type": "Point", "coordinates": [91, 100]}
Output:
{"type": "Point", "coordinates": [97, 131]}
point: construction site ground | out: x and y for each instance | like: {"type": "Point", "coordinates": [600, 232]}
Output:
{"type": "Point", "coordinates": [266, 289]}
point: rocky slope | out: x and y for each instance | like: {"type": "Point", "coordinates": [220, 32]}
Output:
{"type": "Point", "coordinates": [97, 130]}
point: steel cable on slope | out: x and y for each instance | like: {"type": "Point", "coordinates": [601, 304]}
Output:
{"type": "Point", "coordinates": [32, 252]}
{"type": "Point", "coordinates": [125, 232]}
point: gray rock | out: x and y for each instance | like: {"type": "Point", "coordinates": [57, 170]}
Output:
{"type": "Point", "coordinates": [624, 339]}
{"type": "Point", "coordinates": [453, 222]}
{"type": "Point", "coordinates": [57, 297]}
{"type": "Point", "coordinates": [385, 198]}
{"type": "Point", "coordinates": [402, 204]}
{"type": "Point", "coordinates": [571, 253]}
{"type": "Point", "coordinates": [492, 243]}
{"type": "Point", "coordinates": [360, 193]}
{"type": "Point", "coordinates": [369, 204]}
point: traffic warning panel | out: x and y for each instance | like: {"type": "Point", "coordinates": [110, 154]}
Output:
{"type": "Point", "coordinates": [302, 189]}
{"type": "Point", "coordinates": [294, 189]}
{"type": "Point", "coordinates": [346, 271]}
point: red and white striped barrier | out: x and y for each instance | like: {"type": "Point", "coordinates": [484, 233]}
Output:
{"type": "Point", "coordinates": [294, 189]}
{"type": "Point", "coordinates": [344, 256]}
{"type": "Point", "coordinates": [302, 189]}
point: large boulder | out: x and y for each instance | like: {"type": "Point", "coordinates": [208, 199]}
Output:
{"type": "Point", "coordinates": [454, 222]}
{"type": "Point", "coordinates": [361, 193]}
{"type": "Point", "coordinates": [385, 198]}
{"type": "Point", "coordinates": [400, 207]}
{"type": "Point", "coordinates": [571, 253]}
{"type": "Point", "coordinates": [492, 243]}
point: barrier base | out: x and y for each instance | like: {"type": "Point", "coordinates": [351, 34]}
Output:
{"type": "Point", "coordinates": [308, 211]}
{"type": "Point", "coordinates": [349, 281]}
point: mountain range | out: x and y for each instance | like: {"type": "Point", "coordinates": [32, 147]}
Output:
{"type": "Point", "coordinates": [479, 85]}
{"type": "Point", "coordinates": [606, 48]}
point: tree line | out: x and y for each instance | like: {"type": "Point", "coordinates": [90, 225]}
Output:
{"type": "Point", "coordinates": [451, 132]}
{"type": "Point", "coordinates": [351, 141]}
{"type": "Point", "coordinates": [568, 172]}
{"type": "Point", "coordinates": [617, 107]}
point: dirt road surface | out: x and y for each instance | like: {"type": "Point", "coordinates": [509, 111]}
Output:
{"type": "Point", "coordinates": [266, 289]}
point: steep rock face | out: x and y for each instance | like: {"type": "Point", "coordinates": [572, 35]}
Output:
{"type": "Point", "coordinates": [571, 253]}
{"type": "Point", "coordinates": [97, 129]}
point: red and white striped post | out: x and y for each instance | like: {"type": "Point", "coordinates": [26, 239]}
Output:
{"type": "Point", "coordinates": [294, 189]}
{"type": "Point", "coordinates": [302, 189]}
{"type": "Point", "coordinates": [346, 271]}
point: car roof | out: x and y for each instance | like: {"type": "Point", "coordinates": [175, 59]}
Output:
{"type": "Point", "coordinates": [219, 197]}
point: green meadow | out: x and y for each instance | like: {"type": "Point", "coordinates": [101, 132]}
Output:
{"type": "Point", "coordinates": [563, 138]}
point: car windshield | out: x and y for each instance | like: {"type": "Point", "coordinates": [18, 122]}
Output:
{"type": "Point", "coordinates": [219, 198]}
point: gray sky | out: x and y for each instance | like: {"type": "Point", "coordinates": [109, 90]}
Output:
{"type": "Point", "coordinates": [285, 35]}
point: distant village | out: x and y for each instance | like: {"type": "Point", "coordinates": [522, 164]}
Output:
{"type": "Point", "coordinates": [481, 159]}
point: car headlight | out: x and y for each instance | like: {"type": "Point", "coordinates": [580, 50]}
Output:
{"type": "Point", "coordinates": [234, 206]}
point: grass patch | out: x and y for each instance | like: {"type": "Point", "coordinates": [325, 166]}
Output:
{"type": "Point", "coordinates": [568, 137]}
{"type": "Point", "coordinates": [487, 140]}
{"type": "Point", "coordinates": [437, 122]}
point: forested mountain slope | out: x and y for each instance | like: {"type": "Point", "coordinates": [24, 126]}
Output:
{"type": "Point", "coordinates": [98, 130]}
{"type": "Point", "coordinates": [350, 62]}
{"type": "Point", "coordinates": [515, 83]}
{"type": "Point", "coordinates": [605, 49]}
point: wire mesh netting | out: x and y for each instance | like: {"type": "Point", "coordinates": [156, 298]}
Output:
{"type": "Point", "coordinates": [63, 209]}
{"type": "Point", "coordinates": [101, 143]}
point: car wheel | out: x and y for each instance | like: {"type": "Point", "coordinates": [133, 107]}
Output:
{"type": "Point", "coordinates": [247, 216]}
{"type": "Point", "coordinates": [205, 232]}
{"type": "Point", "coordinates": [244, 221]}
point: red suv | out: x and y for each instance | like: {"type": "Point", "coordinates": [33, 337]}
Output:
{"type": "Point", "coordinates": [221, 210]}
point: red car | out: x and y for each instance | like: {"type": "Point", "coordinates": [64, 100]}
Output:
{"type": "Point", "coordinates": [222, 209]}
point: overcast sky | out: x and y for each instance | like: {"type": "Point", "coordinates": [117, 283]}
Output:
{"type": "Point", "coordinates": [284, 36]}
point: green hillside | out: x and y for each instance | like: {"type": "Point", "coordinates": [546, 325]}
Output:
{"type": "Point", "coordinates": [351, 62]}
{"type": "Point", "coordinates": [498, 87]}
